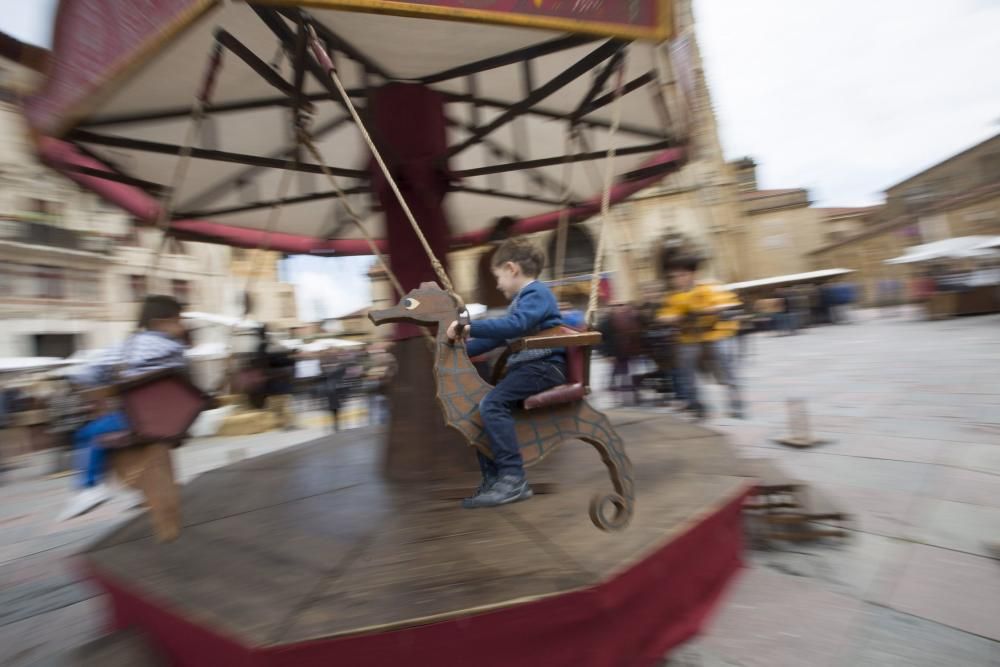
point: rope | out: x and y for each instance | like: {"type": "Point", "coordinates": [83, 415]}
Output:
{"type": "Point", "coordinates": [609, 174]}
{"type": "Point", "coordinates": [572, 140]}
{"type": "Point", "coordinates": [274, 215]}
{"type": "Point", "coordinates": [324, 60]}
{"type": "Point", "coordinates": [202, 100]}
{"type": "Point", "coordinates": [355, 218]}
{"type": "Point", "coordinates": [307, 141]}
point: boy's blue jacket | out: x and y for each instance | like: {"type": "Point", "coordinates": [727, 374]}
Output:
{"type": "Point", "coordinates": [533, 309]}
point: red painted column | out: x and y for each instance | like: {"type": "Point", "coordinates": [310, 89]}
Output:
{"type": "Point", "coordinates": [408, 125]}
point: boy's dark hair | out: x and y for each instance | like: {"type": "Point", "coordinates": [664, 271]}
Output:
{"type": "Point", "coordinates": [502, 228]}
{"type": "Point", "coordinates": [158, 307]}
{"type": "Point", "coordinates": [684, 263]}
{"type": "Point", "coordinates": [522, 252]}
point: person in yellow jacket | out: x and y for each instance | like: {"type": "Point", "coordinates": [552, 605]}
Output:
{"type": "Point", "coordinates": [700, 312]}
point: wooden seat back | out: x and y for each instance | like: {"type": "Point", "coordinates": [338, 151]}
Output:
{"type": "Point", "coordinates": [576, 343]}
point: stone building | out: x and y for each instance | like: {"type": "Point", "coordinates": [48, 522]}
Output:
{"type": "Point", "coordinates": [700, 202]}
{"type": "Point", "coordinates": [73, 268]}
{"type": "Point", "coordinates": [716, 206]}
{"type": "Point", "coordinates": [959, 196]}
{"type": "Point", "coordinates": [256, 272]}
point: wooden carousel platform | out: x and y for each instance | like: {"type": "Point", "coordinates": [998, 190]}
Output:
{"type": "Point", "coordinates": [307, 557]}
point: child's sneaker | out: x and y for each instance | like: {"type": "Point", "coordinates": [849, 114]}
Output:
{"type": "Point", "coordinates": [485, 485]}
{"type": "Point", "coordinates": [507, 489]}
{"type": "Point", "coordinates": [84, 501]}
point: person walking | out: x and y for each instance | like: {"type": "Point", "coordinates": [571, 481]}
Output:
{"type": "Point", "coordinates": [700, 311]}
{"type": "Point", "coordinates": [333, 388]}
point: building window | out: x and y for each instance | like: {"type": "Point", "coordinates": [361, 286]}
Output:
{"type": "Point", "coordinates": [131, 237]}
{"type": "Point", "coordinates": [137, 287]}
{"type": "Point", "coordinates": [86, 286]}
{"type": "Point", "coordinates": [991, 167]}
{"type": "Point", "coordinates": [54, 345]}
{"type": "Point", "coordinates": [288, 306]}
{"type": "Point", "coordinates": [181, 290]}
{"type": "Point", "coordinates": [49, 283]}
{"type": "Point", "coordinates": [175, 247]}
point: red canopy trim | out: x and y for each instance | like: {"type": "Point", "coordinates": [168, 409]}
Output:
{"type": "Point", "coordinates": [546, 221]}
{"type": "Point", "coordinates": [64, 156]}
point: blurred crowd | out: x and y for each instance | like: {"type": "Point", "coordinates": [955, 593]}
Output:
{"type": "Point", "coordinates": [683, 333]}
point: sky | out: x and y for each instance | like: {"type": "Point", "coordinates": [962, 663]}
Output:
{"type": "Point", "coordinates": [843, 97]}
{"type": "Point", "coordinates": [848, 97]}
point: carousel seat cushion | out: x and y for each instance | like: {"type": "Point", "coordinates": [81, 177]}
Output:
{"type": "Point", "coordinates": [564, 393]}
{"type": "Point", "coordinates": [573, 390]}
{"type": "Point", "coordinates": [162, 407]}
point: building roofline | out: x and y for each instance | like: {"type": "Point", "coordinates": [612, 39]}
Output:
{"type": "Point", "coordinates": [872, 231]}
{"type": "Point", "coordinates": [27, 55]}
{"type": "Point", "coordinates": [764, 194]}
{"type": "Point", "coordinates": [943, 162]}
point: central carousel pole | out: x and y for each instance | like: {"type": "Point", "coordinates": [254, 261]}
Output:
{"type": "Point", "coordinates": [409, 124]}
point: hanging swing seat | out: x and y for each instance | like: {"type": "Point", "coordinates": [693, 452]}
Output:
{"type": "Point", "coordinates": [159, 406]}
{"type": "Point", "coordinates": [577, 345]}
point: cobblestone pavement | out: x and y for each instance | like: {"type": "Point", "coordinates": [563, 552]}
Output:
{"type": "Point", "coordinates": [912, 413]}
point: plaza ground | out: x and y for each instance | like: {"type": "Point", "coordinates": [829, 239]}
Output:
{"type": "Point", "coordinates": [911, 410]}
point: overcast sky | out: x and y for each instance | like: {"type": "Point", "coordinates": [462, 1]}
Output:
{"type": "Point", "coordinates": [847, 97]}
{"type": "Point", "coordinates": [844, 97]}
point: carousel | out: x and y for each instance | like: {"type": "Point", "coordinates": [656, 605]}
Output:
{"type": "Point", "coordinates": [403, 129]}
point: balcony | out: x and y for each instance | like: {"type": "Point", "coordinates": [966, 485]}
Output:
{"type": "Point", "coordinates": [20, 230]}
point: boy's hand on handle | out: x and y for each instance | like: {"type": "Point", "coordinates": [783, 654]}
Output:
{"type": "Point", "coordinates": [458, 330]}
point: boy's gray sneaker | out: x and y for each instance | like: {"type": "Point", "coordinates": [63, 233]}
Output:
{"type": "Point", "coordinates": [507, 489]}
{"type": "Point", "coordinates": [485, 485]}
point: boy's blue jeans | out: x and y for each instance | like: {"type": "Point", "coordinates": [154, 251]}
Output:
{"type": "Point", "coordinates": [496, 408]}
{"type": "Point", "coordinates": [90, 456]}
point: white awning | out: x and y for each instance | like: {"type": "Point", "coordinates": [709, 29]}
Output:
{"type": "Point", "coordinates": [27, 364]}
{"type": "Point", "coordinates": [789, 279]}
{"type": "Point", "coordinates": [221, 320]}
{"type": "Point", "coordinates": [961, 247]}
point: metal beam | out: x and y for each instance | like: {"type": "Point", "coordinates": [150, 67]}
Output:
{"type": "Point", "coordinates": [490, 192]}
{"type": "Point", "coordinates": [148, 186]}
{"type": "Point", "coordinates": [597, 85]}
{"type": "Point", "coordinates": [244, 105]}
{"type": "Point", "coordinates": [224, 186]}
{"type": "Point", "coordinates": [243, 52]}
{"type": "Point", "coordinates": [528, 77]}
{"type": "Point", "coordinates": [299, 65]}
{"type": "Point", "coordinates": [519, 55]}
{"type": "Point", "coordinates": [557, 115]}
{"type": "Point", "coordinates": [629, 87]}
{"type": "Point", "coordinates": [561, 80]}
{"type": "Point", "coordinates": [273, 20]}
{"type": "Point", "coordinates": [650, 171]}
{"type": "Point", "coordinates": [256, 206]}
{"type": "Point", "coordinates": [561, 159]}
{"type": "Point", "coordinates": [205, 154]}
{"type": "Point", "coordinates": [336, 42]}
{"type": "Point", "coordinates": [540, 177]}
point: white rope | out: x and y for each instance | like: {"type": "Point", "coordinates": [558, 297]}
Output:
{"type": "Point", "coordinates": [176, 181]}
{"type": "Point", "coordinates": [355, 218]}
{"type": "Point", "coordinates": [563, 229]}
{"type": "Point", "coordinates": [342, 196]}
{"type": "Point", "coordinates": [332, 73]}
{"type": "Point", "coordinates": [274, 215]}
{"type": "Point", "coordinates": [609, 174]}
{"type": "Point", "coordinates": [202, 98]}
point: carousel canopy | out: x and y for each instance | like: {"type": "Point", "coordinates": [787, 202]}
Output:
{"type": "Point", "coordinates": [514, 77]}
